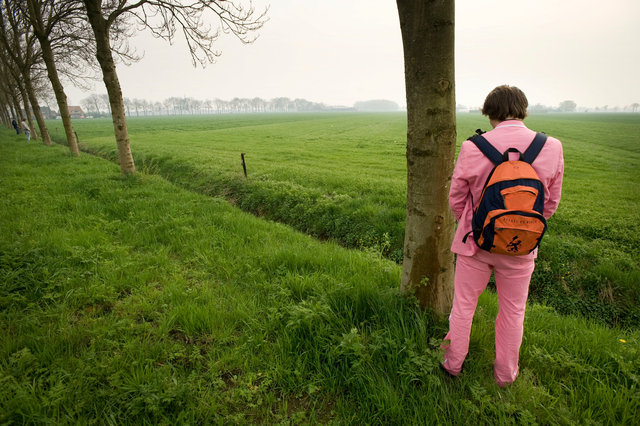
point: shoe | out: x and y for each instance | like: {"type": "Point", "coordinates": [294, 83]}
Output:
{"type": "Point", "coordinates": [502, 383]}
{"type": "Point", "coordinates": [447, 372]}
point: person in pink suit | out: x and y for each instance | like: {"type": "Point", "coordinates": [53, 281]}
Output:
{"type": "Point", "coordinates": [506, 107]}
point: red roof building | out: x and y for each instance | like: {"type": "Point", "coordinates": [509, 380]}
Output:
{"type": "Point", "coordinates": [76, 112]}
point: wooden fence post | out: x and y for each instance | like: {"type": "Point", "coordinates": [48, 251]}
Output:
{"type": "Point", "coordinates": [244, 166]}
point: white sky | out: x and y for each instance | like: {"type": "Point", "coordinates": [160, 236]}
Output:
{"type": "Point", "coordinates": [342, 51]}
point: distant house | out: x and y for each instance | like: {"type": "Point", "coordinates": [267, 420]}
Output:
{"type": "Point", "coordinates": [76, 112]}
{"type": "Point", "coordinates": [47, 113]}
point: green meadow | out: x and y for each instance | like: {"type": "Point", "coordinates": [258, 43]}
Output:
{"type": "Point", "coordinates": [176, 296]}
{"type": "Point", "coordinates": [342, 177]}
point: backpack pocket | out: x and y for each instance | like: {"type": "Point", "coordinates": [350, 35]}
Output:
{"type": "Point", "coordinates": [512, 232]}
{"type": "Point", "coordinates": [519, 197]}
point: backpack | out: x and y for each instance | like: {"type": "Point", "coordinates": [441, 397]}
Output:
{"type": "Point", "coordinates": [508, 218]}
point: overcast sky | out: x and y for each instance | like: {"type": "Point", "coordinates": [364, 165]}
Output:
{"type": "Point", "coordinates": [342, 51]}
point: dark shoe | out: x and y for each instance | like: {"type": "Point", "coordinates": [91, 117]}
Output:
{"type": "Point", "coordinates": [446, 372]}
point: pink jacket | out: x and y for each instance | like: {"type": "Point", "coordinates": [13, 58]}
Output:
{"type": "Point", "coordinates": [472, 169]}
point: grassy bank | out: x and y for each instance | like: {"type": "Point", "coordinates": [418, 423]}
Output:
{"type": "Point", "coordinates": [135, 301]}
{"type": "Point", "coordinates": [343, 177]}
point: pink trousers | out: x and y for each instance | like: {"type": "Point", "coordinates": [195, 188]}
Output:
{"type": "Point", "coordinates": [512, 275]}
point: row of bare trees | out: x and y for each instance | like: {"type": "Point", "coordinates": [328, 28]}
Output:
{"type": "Point", "coordinates": [97, 105]}
{"type": "Point", "coordinates": [40, 40]}
{"type": "Point", "coordinates": [43, 42]}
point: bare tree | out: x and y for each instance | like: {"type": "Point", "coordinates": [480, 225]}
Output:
{"type": "Point", "coordinates": [196, 106]}
{"type": "Point", "coordinates": [257, 104]}
{"type": "Point", "coordinates": [428, 39]}
{"type": "Point", "coordinates": [91, 103]}
{"type": "Point", "coordinates": [103, 99]}
{"type": "Point", "coordinates": [207, 104]}
{"type": "Point", "coordinates": [567, 106]}
{"type": "Point", "coordinates": [128, 103]}
{"type": "Point", "coordinates": [138, 105]}
{"type": "Point", "coordinates": [220, 105]}
{"type": "Point", "coordinates": [109, 19]}
{"type": "Point", "coordinates": [168, 106]}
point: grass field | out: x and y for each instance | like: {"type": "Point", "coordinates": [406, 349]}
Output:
{"type": "Point", "coordinates": [343, 177]}
{"type": "Point", "coordinates": [134, 301]}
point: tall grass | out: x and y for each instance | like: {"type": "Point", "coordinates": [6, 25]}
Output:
{"type": "Point", "coordinates": [343, 177]}
{"type": "Point", "coordinates": [131, 300]}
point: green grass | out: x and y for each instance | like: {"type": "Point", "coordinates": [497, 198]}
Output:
{"type": "Point", "coordinates": [133, 301]}
{"type": "Point", "coordinates": [343, 177]}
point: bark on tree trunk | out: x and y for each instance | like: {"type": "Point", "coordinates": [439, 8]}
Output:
{"type": "Point", "coordinates": [5, 114]}
{"type": "Point", "coordinates": [7, 109]}
{"type": "Point", "coordinates": [61, 97]}
{"type": "Point", "coordinates": [16, 107]}
{"type": "Point", "coordinates": [44, 131]}
{"type": "Point", "coordinates": [428, 38]}
{"type": "Point", "coordinates": [52, 72]}
{"type": "Point", "coordinates": [112, 84]}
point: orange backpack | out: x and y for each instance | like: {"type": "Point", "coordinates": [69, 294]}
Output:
{"type": "Point", "coordinates": [508, 218]}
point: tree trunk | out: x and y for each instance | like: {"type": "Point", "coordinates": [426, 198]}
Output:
{"type": "Point", "coordinates": [44, 131]}
{"type": "Point", "coordinates": [16, 107]}
{"type": "Point", "coordinates": [95, 103]}
{"type": "Point", "coordinates": [428, 38]}
{"type": "Point", "coordinates": [112, 84]}
{"type": "Point", "coordinates": [27, 109]}
{"type": "Point", "coordinates": [13, 110]}
{"type": "Point", "coordinates": [52, 72]}
{"type": "Point", "coordinates": [5, 113]}
{"type": "Point", "coordinates": [7, 109]}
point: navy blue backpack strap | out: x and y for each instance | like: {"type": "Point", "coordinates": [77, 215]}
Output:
{"type": "Point", "coordinates": [534, 149]}
{"type": "Point", "coordinates": [487, 149]}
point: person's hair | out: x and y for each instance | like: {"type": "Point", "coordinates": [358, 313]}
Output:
{"type": "Point", "coordinates": [505, 102]}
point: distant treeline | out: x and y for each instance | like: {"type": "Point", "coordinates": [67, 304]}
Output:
{"type": "Point", "coordinates": [98, 105]}
{"type": "Point", "coordinates": [565, 106]}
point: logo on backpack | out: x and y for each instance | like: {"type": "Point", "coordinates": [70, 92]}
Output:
{"type": "Point", "coordinates": [508, 218]}
{"type": "Point", "coordinates": [514, 245]}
